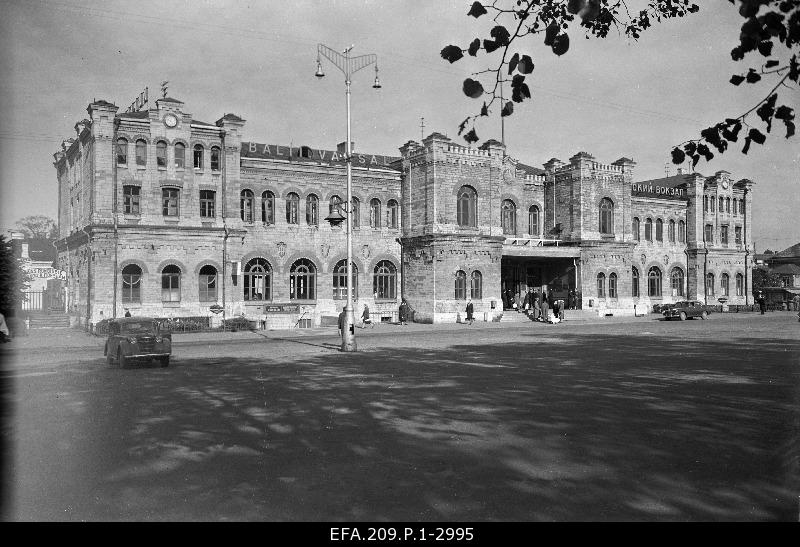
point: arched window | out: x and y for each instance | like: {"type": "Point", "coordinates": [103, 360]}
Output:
{"type": "Point", "coordinates": [659, 230]}
{"type": "Point", "coordinates": [725, 284]}
{"type": "Point", "coordinates": [654, 282]}
{"type": "Point", "coordinates": [682, 232]}
{"type": "Point", "coordinates": [268, 207]}
{"type": "Point", "coordinates": [635, 229]}
{"type": "Point", "coordinates": [180, 155]}
{"type": "Point", "coordinates": [246, 205]}
{"type": "Point", "coordinates": [712, 202]}
{"type": "Point", "coordinates": [375, 213]}
{"type": "Point", "coordinates": [710, 284]}
{"type": "Point", "coordinates": [131, 284]}
{"type": "Point", "coordinates": [634, 282]}
{"type": "Point", "coordinates": [601, 285]}
{"type": "Point", "coordinates": [735, 206]}
{"type": "Point", "coordinates": [208, 284]}
{"type": "Point", "coordinates": [198, 156]}
{"type": "Point", "coordinates": [384, 280]}
{"type": "Point", "coordinates": [171, 284]}
{"type": "Point", "coordinates": [461, 285]}
{"type": "Point", "coordinates": [292, 205]}
{"type": "Point", "coordinates": [648, 229]}
{"type": "Point", "coordinates": [303, 280]}
{"type": "Point", "coordinates": [606, 216]}
{"type": "Point", "coordinates": [739, 281]}
{"type": "Point", "coordinates": [340, 280]}
{"type": "Point", "coordinates": [509, 217]}
{"type": "Point", "coordinates": [727, 205]}
{"type": "Point", "coordinates": [533, 221]}
{"type": "Point", "coordinates": [721, 208]}
{"type": "Point", "coordinates": [676, 279]}
{"type": "Point", "coordinates": [612, 285]}
{"type": "Point", "coordinates": [467, 207]}
{"type": "Point", "coordinates": [161, 154]}
{"type": "Point", "coordinates": [476, 285]}
{"type": "Point", "coordinates": [356, 212]}
{"type": "Point", "coordinates": [122, 152]}
{"type": "Point", "coordinates": [312, 210]}
{"type": "Point", "coordinates": [215, 158]}
{"type": "Point", "coordinates": [391, 214]}
{"type": "Point", "coordinates": [257, 280]}
{"type": "Point", "coordinates": [141, 152]}
{"type": "Point", "coordinates": [671, 231]}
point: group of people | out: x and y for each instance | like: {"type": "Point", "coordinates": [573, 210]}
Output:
{"type": "Point", "coordinates": [542, 306]}
{"type": "Point", "coordinates": [366, 319]}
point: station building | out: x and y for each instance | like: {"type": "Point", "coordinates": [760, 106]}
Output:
{"type": "Point", "coordinates": [169, 216]}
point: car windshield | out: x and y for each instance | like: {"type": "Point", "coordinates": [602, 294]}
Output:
{"type": "Point", "coordinates": [141, 327]}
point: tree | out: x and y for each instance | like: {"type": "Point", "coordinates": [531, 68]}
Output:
{"type": "Point", "coordinates": [763, 277]}
{"type": "Point", "coordinates": [771, 29]}
{"type": "Point", "coordinates": [13, 279]}
{"type": "Point", "coordinates": [37, 227]}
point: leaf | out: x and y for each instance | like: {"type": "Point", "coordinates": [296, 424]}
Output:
{"type": "Point", "coordinates": [551, 33]}
{"type": "Point", "coordinates": [561, 44]}
{"type": "Point", "coordinates": [737, 79]}
{"type": "Point", "coordinates": [784, 113]}
{"type": "Point", "coordinates": [756, 135]}
{"type": "Point", "coordinates": [500, 35]}
{"type": "Point", "coordinates": [477, 10]}
{"type": "Point", "coordinates": [574, 6]}
{"type": "Point", "coordinates": [490, 45]}
{"type": "Point", "coordinates": [452, 53]}
{"type": "Point", "coordinates": [732, 134]}
{"type": "Point", "coordinates": [789, 128]}
{"type": "Point", "coordinates": [747, 141]}
{"type": "Point", "coordinates": [771, 63]}
{"type": "Point", "coordinates": [704, 150]}
{"type": "Point", "coordinates": [794, 69]}
{"type": "Point", "coordinates": [525, 65]}
{"type": "Point", "coordinates": [512, 64]}
{"type": "Point", "coordinates": [472, 88]}
{"type": "Point", "coordinates": [471, 136]}
{"type": "Point", "coordinates": [678, 156]}
{"type": "Point", "coordinates": [484, 109]}
{"type": "Point", "coordinates": [474, 47]}
{"type": "Point", "coordinates": [753, 76]}
{"type": "Point", "coordinates": [590, 11]}
{"type": "Point", "coordinates": [508, 109]}
{"type": "Point", "coordinates": [462, 126]}
{"type": "Point", "coordinates": [765, 48]}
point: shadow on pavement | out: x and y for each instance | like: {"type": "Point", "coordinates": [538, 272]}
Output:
{"type": "Point", "coordinates": [568, 427]}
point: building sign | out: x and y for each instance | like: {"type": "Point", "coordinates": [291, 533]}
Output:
{"type": "Point", "coordinates": [282, 308]}
{"type": "Point", "coordinates": [304, 153]}
{"type": "Point", "coordinates": [651, 190]}
{"type": "Point", "coordinates": [46, 273]}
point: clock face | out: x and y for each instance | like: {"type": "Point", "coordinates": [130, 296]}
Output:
{"type": "Point", "coordinates": [724, 184]}
{"type": "Point", "coordinates": [170, 120]}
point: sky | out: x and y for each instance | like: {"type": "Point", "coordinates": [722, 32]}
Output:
{"type": "Point", "coordinates": [611, 98]}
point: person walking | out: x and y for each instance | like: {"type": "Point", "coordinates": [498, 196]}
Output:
{"type": "Point", "coordinates": [545, 309]}
{"type": "Point", "coordinates": [365, 318]}
{"type": "Point", "coordinates": [469, 311]}
{"type": "Point", "coordinates": [796, 302]}
{"type": "Point", "coordinates": [537, 305]}
{"type": "Point", "coordinates": [342, 321]}
{"type": "Point", "coordinates": [560, 305]}
{"type": "Point", "coordinates": [403, 313]}
{"type": "Point", "coordinates": [762, 302]}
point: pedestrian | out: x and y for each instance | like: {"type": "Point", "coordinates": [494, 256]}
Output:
{"type": "Point", "coordinates": [571, 299]}
{"type": "Point", "coordinates": [5, 334]}
{"type": "Point", "coordinates": [545, 309]}
{"type": "Point", "coordinates": [526, 302]}
{"type": "Point", "coordinates": [127, 312]}
{"type": "Point", "coordinates": [796, 302]}
{"type": "Point", "coordinates": [365, 318]}
{"type": "Point", "coordinates": [560, 305]}
{"type": "Point", "coordinates": [762, 302]}
{"type": "Point", "coordinates": [537, 305]}
{"type": "Point", "coordinates": [403, 313]}
{"type": "Point", "coordinates": [469, 310]}
{"type": "Point", "coordinates": [342, 321]}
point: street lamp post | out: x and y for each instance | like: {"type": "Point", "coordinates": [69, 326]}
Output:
{"type": "Point", "coordinates": [348, 65]}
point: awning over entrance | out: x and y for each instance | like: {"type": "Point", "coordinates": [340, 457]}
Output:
{"type": "Point", "coordinates": [544, 248]}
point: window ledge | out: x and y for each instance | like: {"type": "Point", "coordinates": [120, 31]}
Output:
{"type": "Point", "coordinates": [171, 304]}
{"type": "Point", "coordinates": [162, 168]}
{"type": "Point", "coordinates": [171, 220]}
{"type": "Point", "coordinates": [303, 302]}
{"type": "Point", "coordinates": [141, 167]}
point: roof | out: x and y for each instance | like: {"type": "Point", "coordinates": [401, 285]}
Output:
{"type": "Point", "coordinates": [530, 170]}
{"type": "Point", "coordinates": [791, 252]}
{"type": "Point", "coordinates": [786, 269]}
{"type": "Point", "coordinates": [40, 250]}
{"type": "Point", "coordinates": [169, 100]}
{"type": "Point", "coordinates": [140, 114]}
{"type": "Point", "coordinates": [670, 182]}
{"type": "Point", "coordinates": [232, 117]}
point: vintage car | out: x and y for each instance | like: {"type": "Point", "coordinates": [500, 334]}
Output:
{"type": "Point", "coordinates": [137, 338]}
{"type": "Point", "coordinates": [685, 310]}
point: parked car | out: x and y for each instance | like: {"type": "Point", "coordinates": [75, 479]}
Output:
{"type": "Point", "coordinates": [137, 338]}
{"type": "Point", "coordinates": [685, 310]}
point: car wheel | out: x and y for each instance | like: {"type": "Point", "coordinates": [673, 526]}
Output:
{"type": "Point", "coordinates": [704, 315]}
{"type": "Point", "coordinates": [683, 316]}
{"type": "Point", "coordinates": [109, 357]}
{"type": "Point", "coordinates": [123, 362]}
{"type": "Point", "coordinates": [164, 361]}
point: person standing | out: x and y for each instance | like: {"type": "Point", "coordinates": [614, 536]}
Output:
{"type": "Point", "coordinates": [762, 302]}
{"type": "Point", "coordinates": [403, 313]}
{"type": "Point", "coordinates": [545, 309]}
{"type": "Point", "coordinates": [342, 321]}
{"type": "Point", "coordinates": [796, 302]}
{"type": "Point", "coordinates": [469, 310]}
{"type": "Point", "coordinates": [127, 312]}
{"type": "Point", "coordinates": [537, 305]}
{"type": "Point", "coordinates": [365, 318]}
{"type": "Point", "coordinates": [560, 306]}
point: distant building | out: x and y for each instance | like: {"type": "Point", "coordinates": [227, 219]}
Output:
{"type": "Point", "coordinates": [168, 216]}
{"type": "Point", "coordinates": [786, 266]}
{"type": "Point", "coordinates": [45, 288]}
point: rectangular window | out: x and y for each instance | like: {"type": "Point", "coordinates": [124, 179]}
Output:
{"type": "Point", "coordinates": [130, 199]}
{"type": "Point", "coordinates": [723, 235]}
{"type": "Point", "coordinates": [713, 204]}
{"type": "Point", "coordinates": [739, 285]}
{"type": "Point", "coordinates": [207, 202]}
{"type": "Point", "coordinates": [161, 154]}
{"type": "Point", "coordinates": [738, 234]}
{"type": "Point", "coordinates": [215, 159]}
{"type": "Point", "coordinates": [198, 157]}
{"type": "Point", "coordinates": [170, 199]}
{"type": "Point", "coordinates": [709, 234]}
{"type": "Point", "coordinates": [208, 287]}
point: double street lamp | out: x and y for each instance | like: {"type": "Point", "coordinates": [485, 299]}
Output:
{"type": "Point", "coordinates": [348, 65]}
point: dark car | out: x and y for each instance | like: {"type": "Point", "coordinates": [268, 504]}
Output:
{"type": "Point", "coordinates": [685, 310]}
{"type": "Point", "coordinates": [137, 338]}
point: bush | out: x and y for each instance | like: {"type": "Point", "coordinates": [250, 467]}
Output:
{"type": "Point", "coordinates": [236, 323]}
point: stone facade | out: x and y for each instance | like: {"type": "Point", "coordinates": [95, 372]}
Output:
{"type": "Point", "coordinates": [166, 215]}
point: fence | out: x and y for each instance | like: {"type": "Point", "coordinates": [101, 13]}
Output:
{"type": "Point", "coordinates": [44, 301]}
{"type": "Point", "coordinates": [734, 308]}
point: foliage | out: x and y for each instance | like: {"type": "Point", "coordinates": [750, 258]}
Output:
{"type": "Point", "coordinates": [771, 29]}
{"type": "Point", "coordinates": [13, 279]}
{"type": "Point", "coordinates": [37, 227]}
{"type": "Point", "coordinates": [762, 277]}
